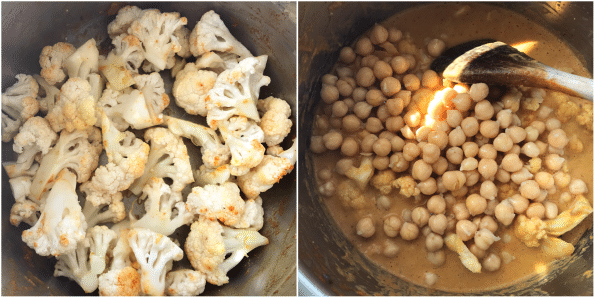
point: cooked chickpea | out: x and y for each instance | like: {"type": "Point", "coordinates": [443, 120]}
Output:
{"type": "Point", "coordinates": [325, 174]}
{"type": "Point", "coordinates": [539, 125]}
{"type": "Point", "coordinates": [391, 249]}
{"type": "Point", "coordinates": [462, 102]}
{"type": "Point", "coordinates": [561, 179]}
{"type": "Point", "coordinates": [379, 34]}
{"type": "Point", "coordinates": [470, 149]}
{"type": "Point", "coordinates": [516, 149]}
{"type": "Point", "coordinates": [347, 55]}
{"type": "Point", "coordinates": [554, 162]}
{"type": "Point", "coordinates": [531, 134]}
{"type": "Point", "coordinates": [438, 138]}
{"type": "Point", "coordinates": [577, 187]}
{"type": "Point", "coordinates": [364, 47]}
{"type": "Point", "coordinates": [504, 212]}
{"type": "Point", "coordinates": [332, 140]}
{"type": "Point", "coordinates": [454, 155]}
{"type": "Point", "coordinates": [383, 202]}
{"type": "Point", "coordinates": [351, 123]}
{"type": "Point", "coordinates": [502, 175]}
{"type": "Point", "coordinates": [517, 134]}
{"type": "Point", "coordinates": [392, 226]}
{"type": "Point", "coordinates": [399, 64]}
{"type": "Point", "coordinates": [488, 222]}
{"type": "Point", "coordinates": [394, 124]}
{"type": "Point", "coordinates": [469, 164]}
{"type": "Point", "coordinates": [329, 79]}
{"type": "Point", "coordinates": [529, 189]}
{"type": "Point", "coordinates": [460, 211]}
{"type": "Point", "coordinates": [491, 262]}
{"type": "Point", "coordinates": [336, 122]}
{"type": "Point", "coordinates": [487, 168]}
{"type": "Point", "coordinates": [375, 98]}
{"type": "Point", "coordinates": [394, 34]}
{"type": "Point", "coordinates": [327, 189]}
{"type": "Point", "coordinates": [476, 204]}
{"type": "Point", "coordinates": [489, 128]}
{"type": "Point", "coordinates": [411, 151]}
{"type": "Point", "coordinates": [437, 223]}
{"type": "Point", "coordinates": [454, 118]}
{"type": "Point", "coordinates": [440, 166]}
{"type": "Point", "coordinates": [420, 216]}
{"type": "Point", "coordinates": [430, 153]}
{"type": "Point", "coordinates": [466, 229]}
{"type": "Point", "coordinates": [456, 137]}
{"type": "Point", "coordinates": [329, 93]}
{"type": "Point", "coordinates": [317, 144]}
{"type": "Point", "coordinates": [365, 77]}
{"type": "Point", "coordinates": [476, 251]}
{"type": "Point", "coordinates": [453, 180]}
{"type": "Point", "coordinates": [345, 89]}
{"type": "Point", "coordinates": [484, 238]}
{"type": "Point", "coordinates": [365, 227]}
{"type": "Point", "coordinates": [409, 231]}
{"type": "Point", "coordinates": [478, 91]}
{"type": "Point", "coordinates": [519, 203]}
{"type": "Point", "coordinates": [421, 170]}
{"type": "Point", "coordinates": [503, 142]}
{"type": "Point", "coordinates": [511, 163]}
{"type": "Point", "coordinates": [521, 176]}
{"type": "Point", "coordinates": [344, 72]}
{"type": "Point", "coordinates": [484, 110]}
{"type": "Point", "coordinates": [367, 144]}
{"type": "Point", "coordinates": [436, 47]}
{"type": "Point", "coordinates": [430, 79]}
{"type": "Point", "coordinates": [557, 138]}
{"type": "Point", "coordinates": [536, 210]}
{"type": "Point", "coordinates": [343, 165]}
{"type": "Point", "coordinates": [437, 258]}
{"type": "Point", "coordinates": [359, 94]}
{"type": "Point", "coordinates": [411, 82]}
{"type": "Point", "coordinates": [434, 242]}
{"type": "Point", "coordinates": [374, 125]}
{"type": "Point", "coordinates": [350, 147]}
{"type": "Point", "coordinates": [381, 162]}
{"type": "Point", "coordinates": [545, 180]}
{"type": "Point", "coordinates": [551, 210]}
{"type": "Point", "coordinates": [504, 118]}
{"type": "Point", "coordinates": [472, 177]}
{"type": "Point", "coordinates": [382, 70]}
{"type": "Point", "coordinates": [382, 147]}
{"type": "Point", "coordinates": [428, 187]}
{"type": "Point", "coordinates": [470, 126]}
{"type": "Point", "coordinates": [386, 135]}
{"type": "Point", "coordinates": [552, 124]}
{"type": "Point", "coordinates": [436, 204]}
{"type": "Point", "coordinates": [339, 109]}
{"type": "Point", "coordinates": [390, 86]}
{"type": "Point", "coordinates": [488, 190]}
{"type": "Point", "coordinates": [398, 163]}
{"type": "Point", "coordinates": [362, 110]}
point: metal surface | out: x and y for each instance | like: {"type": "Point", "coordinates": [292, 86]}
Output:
{"type": "Point", "coordinates": [264, 28]}
{"type": "Point", "coordinates": [328, 263]}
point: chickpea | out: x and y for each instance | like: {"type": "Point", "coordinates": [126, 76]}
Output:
{"type": "Point", "coordinates": [411, 151]}
{"type": "Point", "coordinates": [440, 166]}
{"type": "Point", "coordinates": [554, 162]}
{"type": "Point", "coordinates": [438, 138]}
{"type": "Point", "coordinates": [488, 222]}
{"type": "Point", "coordinates": [399, 64]}
{"type": "Point", "coordinates": [386, 135]}
{"type": "Point", "coordinates": [394, 124]}
{"type": "Point", "coordinates": [519, 203]}
{"type": "Point", "coordinates": [516, 134]}
{"type": "Point", "coordinates": [383, 203]}
{"type": "Point", "coordinates": [437, 223]}
{"type": "Point", "coordinates": [466, 229]}
{"type": "Point", "coordinates": [476, 251]}
{"type": "Point", "coordinates": [374, 125]}
{"type": "Point", "coordinates": [406, 215]}
{"type": "Point", "coordinates": [329, 79]}
{"type": "Point", "coordinates": [472, 177]}
{"type": "Point", "coordinates": [344, 88]}
{"type": "Point", "coordinates": [340, 109]}
{"type": "Point", "coordinates": [325, 174]}
{"type": "Point", "coordinates": [350, 147]}
{"type": "Point", "coordinates": [577, 187]}
{"type": "Point", "coordinates": [365, 227]}
{"type": "Point", "coordinates": [504, 118]}
{"type": "Point", "coordinates": [436, 47]}
{"type": "Point", "coordinates": [359, 94]}
{"type": "Point", "coordinates": [382, 70]}
{"type": "Point", "coordinates": [379, 34]}
{"type": "Point", "coordinates": [375, 98]}
{"type": "Point", "coordinates": [413, 118]}
{"type": "Point", "coordinates": [362, 110]}
{"type": "Point", "coordinates": [347, 55]}
{"type": "Point", "coordinates": [428, 187]}
{"type": "Point", "coordinates": [351, 123]}
{"type": "Point", "coordinates": [395, 106]}
{"type": "Point", "coordinates": [484, 238]}
{"type": "Point", "coordinates": [365, 77]}
{"type": "Point", "coordinates": [551, 210]}
{"type": "Point", "coordinates": [561, 179]}
{"type": "Point", "coordinates": [462, 102]}
{"type": "Point", "coordinates": [382, 147]}
{"type": "Point", "coordinates": [317, 144]}
{"type": "Point", "coordinates": [503, 142]}
{"type": "Point", "coordinates": [552, 124]}
{"type": "Point", "coordinates": [470, 126]}
{"type": "Point", "coordinates": [343, 165]}
{"type": "Point", "coordinates": [390, 86]}
{"type": "Point", "coordinates": [394, 35]}
{"type": "Point", "coordinates": [411, 82]}
{"type": "Point", "coordinates": [367, 144]}
{"type": "Point", "coordinates": [476, 204]}
{"type": "Point", "coordinates": [409, 231]}
{"type": "Point", "coordinates": [392, 226]}
{"type": "Point", "coordinates": [398, 163]}
{"type": "Point", "coordinates": [539, 125]}
{"type": "Point", "coordinates": [336, 123]}
{"type": "Point", "coordinates": [391, 249]}
{"type": "Point", "coordinates": [531, 134]}
{"type": "Point", "coordinates": [470, 149]}
{"type": "Point", "coordinates": [381, 162]}
{"type": "Point", "coordinates": [364, 47]}
{"type": "Point", "coordinates": [545, 180]}
{"type": "Point", "coordinates": [469, 164]}
{"type": "Point", "coordinates": [454, 155]}
{"type": "Point", "coordinates": [557, 138]}
{"type": "Point", "coordinates": [502, 175]}
{"type": "Point", "coordinates": [420, 216]}
{"type": "Point", "coordinates": [460, 211]}
{"type": "Point", "coordinates": [488, 190]}
{"type": "Point", "coordinates": [436, 204]}
{"type": "Point", "coordinates": [453, 180]}
{"type": "Point", "coordinates": [421, 170]}
{"type": "Point", "coordinates": [434, 242]}
{"type": "Point", "coordinates": [327, 189]}
{"type": "Point", "coordinates": [430, 153]}
{"type": "Point", "coordinates": [504, 212]}
{"type": "Point", "coordinates": [478, 91]}
{"type": "Point", "coordinates": [344, 72]}
{"type": "Point", "coordinates": [430, 79]}
{"type": "Point", "coordinates": [491, 262]}
{"type": "Point", "coordinates": [329, 93]}
{"type": "Point", "coordinates": [487, 168]}
{"type": "Point", "coordinates": [536, 210]}
{"type": "Point", "coordinates": [529, 189]}
{"type": "Point", "coordinates": [511, 163]}
{"type": "Point", "coordinates": [521, 176]}
{"type": "Point", "coordinates": [484, 110]}
{"type": "Point", "coordinates": [489, 128]}
{"type": "Point", "coordinates": [436, 258]}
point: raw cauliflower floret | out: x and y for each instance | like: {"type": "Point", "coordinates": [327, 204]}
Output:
{"type": "Point", "coordinates": [209, 242]}
{"type": "Point", "coordinates": [217, 202]}
{"type": "Point", "coordinates": [156, 31]}
{"type": "Point", "coordinates": [214, 153]}
{"type": "Point", "coordinates": [165, 210]}
{"type": "Point", "coordinates": [191, 88]}
{"type": "Point", "coordinates": [236, 91]}
{"type": "Point", "coordinates": [75, 110]}
{"type": "Point", "coordinates": [19, 103]}
{"type": "Point", "coordinates": [275, 123]}
{"type": "Point", "coordinates": [78, 150]}
{"type": "Point", "coordinates": [363, 173]}
{"type": "Point", "coordinates": [185, 282]}
{"type": "Point", "coordinates": [407, 185]}
{"type": "Point", "coordinates": [269, 172]}
{"type": "Point", "coordinates": [155, 254]}
{"type": "Point", "coordinates": [383, 181]}
{"type": "Point", "coordinates": [121, 279]}
{"type": "Point", "coordinates": [83, 61]}
{"type": "Point", "coordinates": [205, 175]}
{"type": "Point", "coordinates": [168, 157]}
{"type": "Point", "coordinates": [53, 61]}
{"type": "Point", "coordinates": [61, 224]}
{"type": "Point", "coordinates": [352, 196]}
{"type": "Point", "coordinates": [210, 34]}
{"type": "Point", "coordinates": [123, 61]}
{"type": "Point", "coordinates": [156, 99]}
{"type": "Point", "coordinates": [243, 137]}
{"type": "Point", "coordinates": [35, 138]}
{"type": "Point", "coordinates": [47, 94]}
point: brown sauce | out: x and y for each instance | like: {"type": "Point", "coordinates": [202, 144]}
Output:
{"type": "Point", "coordinates": [476, 21]}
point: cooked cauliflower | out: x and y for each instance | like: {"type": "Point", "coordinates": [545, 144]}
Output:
{"type": "Point", "coordinates": [205, 175]}
{"type": "Point", "coordinates": [275, 123]}
{"type": "Point", "coordinates": [530, 231]}
{"type": "Point", "coordinates": [362, 174]}
{"type": "Point", "coordinates": [586, 116]}
{"type": "Point", "coordinates": [567, 110]}
{"type": "Point", "coordinates": [53, 62]}
{"type": "Point", "coordinates": [183, 36]}
{"type": "Point", "coordinates": [47, 94]}
{"type": "Point", "coordinates": [126, 15]}
{"type": "Point", "coordinates": [407, 185]}
{"type": "Point", "coordinates": [23, 210]}
{"type": "Point", "coordinates": [253, 216]}
{"type": "Point", "coordinates": [121, 279]}
{"type": "Point", "coordinates": [191, 88]}
{"type": "Point", "coordinates": [123, 61]}
{"type": "Point", "coordinates": [210, 34]}
{"type": "Point", "coordinates": [352, 196]}
{"type": "Point", "coordinates": [217, 202]}
{"type": "Point", "coordinates": [185, 282]}
{"type": "Point", "coordinates": [127, 109]}
{"type": "Point", "coordinates": [244, 138]}
{"type": "Point", "coordinates": [153, 90]}
{"type": "Point", "coordinates": [383, 181]}
{"type": "Point", "coordinates": [77, 266]}
{"type": "Point", "coordinates": [83, 61]}
{"type": "Point", "coordinates": [19, 103]}
{"type": "Point", "coordinates": [75, 110]}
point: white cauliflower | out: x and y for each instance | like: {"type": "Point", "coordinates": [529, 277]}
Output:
{"type": "Point", "coordinates": [209, 242]}
{"type": "Point", "coordinates": [183, 36]}
{"type": "Point", "coordinates": [101, 240]}
{"type": "Point", "coordinates": [210, 34]}
{"type": "Point", "coordinates": [153, 89]}
{"type": "Point", "coordinates": [236, 91]}
{"type": "Point", "coordinates": [47, 94]}
{"type": "Point", "coordinates": [75, 109]}
{"type": "Point", "coordinates": [217, 202]}
{"type": "Point", "coordinates": [244, 138]}
{"type": "Point", "coordinates": [78, 150]}
{"type": "Point", "coordinates": [270, 171]}
{"type": "Point", "coordinates": [363, 173]}
{"type": "Point", "coordinates": [121, 279]}
{"type": "Point", "coordinates": [83, 61]}
{"type": "Point", "coordinates": [205, 175]}
{"type": "Point", "coordinates": [253, 216]}
{"type": "Point", "coordinates": [185, 282]}
{"type": "Point", "coordinates": [156, 31]}
{"type": "Point", "coordinates": [126, 109]}
{"type": "Point", "coordinates": [53, 61]}
{"type": "Point", "coordinates": [19, 103]}
{"type": "Point", "coordinates": [214, 153]}
{"type": "Point", "coordinates": [217, 62]}
{"type": "Point", "coordinates": [155, 254]}
{"type": "Point", "coordinates": [113, 212]}
{"type": "Point", "coordinates": [77, 266]}
{"type": "Point", "coordinates": [165, 210]}
{"type": "Point", "coordinates": [123, 61]}
{"type": "Point", "coordinates": [191, 88]}
{"type": "Point", "coordinates": [275, 123]}
{"type": "Point", "coordinates": [23, 210]}
{"type": "Point", "coordinates": [61, 224]}
{"type": "Point", "coordinates": [168, 157]}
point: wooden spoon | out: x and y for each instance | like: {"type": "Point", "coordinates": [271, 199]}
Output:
{"type": "Point", "coordinates": [496, 63]}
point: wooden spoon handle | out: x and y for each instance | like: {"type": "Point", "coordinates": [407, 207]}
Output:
{"type": "Point", "coordinates": [577, 84]}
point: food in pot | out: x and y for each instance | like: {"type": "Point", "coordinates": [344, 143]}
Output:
{"type": "Point", "coordinates": [77, 200]}
{"type": "Point", "coordinates": [456, 187]}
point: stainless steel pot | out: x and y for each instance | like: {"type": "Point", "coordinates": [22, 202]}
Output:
{"type": "Point", "coordinates": [264, 28]}
{"type": "Point", "coordinates": [328, 263]}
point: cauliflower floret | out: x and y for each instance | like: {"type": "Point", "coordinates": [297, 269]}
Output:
{"type": "Point", "coordinates": [61, 224]}
{"type": "Point", "coordinates": [351, 196]}
{"type": "Point", "coordinates": [121, 279]}
{"type": "Point", "coordinates": [123, 61]}
{"type": "Point", "coordinates": [156, 32]}
{"type": "Point", "coordinates": [78, 150]}
{"type": "Point", "coordinates": [153, 89]}
{"type": "Point", "coordinates": [183, 36]}
{"type": "Point", "coordinates": [191, 88]}
{"type": "Point", "coordinates": [363, 174]}
{"type": "Point", "coordinates": [214, 153]}
{"type": "Point", "coordinates": [47, 94]}
{"type": "Point", "coordinates": [586, 116]}
{"type": "Point", "coordinates": [83, 61]}
{"type": "Point", "coordinates": [23, 210]}
{"type": "Point", "coordinates": [165, 210]}
{"type": "Point", "coordinates": [469, 260]}
{"type": "Point", "coordinates": [383, 181]}
{"type": "Point", "coordinates": [534, 165]}
{"type": "Point", "coordinates": [75, 110]}
{"type": "Point", "coordinates": [19, 103]}
{"type": "Point", "coordinates": [209, 242]}
{"type": "Point", "coordinates": [100, 240]}
{"type": "Point", "coordinates": [244, 138]}
{"type": "Point", "coordinates": [236, 91]}
{"type": "Point", "coordinates": [567, 110]}
{"type": "Point", "coordinates": [407, 185]}
{"type": "Point", "coordinates": [155, 254]}
{"type": "Point", "coordinates": [76, 266]}
{"type": "Point", "coordinates": [217, 62]}
{"type": "Point", "coordinates": [205, 175]}
{"type": "Point", "coordinates": [532, 103]}
{"type": "Point", "coordinates": [168, 157]}
{"type": "Point", "coordinates": [113, 212]}
{"type": "Point", "coordinates": [185, 282]}
{"type": "Point", "coordinates": [53, 61]}
{"type": "Point", "coordinates": [126, 109]}
{"type": "Point", "coordinates": [126, 15]}
{"type": "Point", "coordinates": [210, 34]}
{"type": "Point", "coordinates": [530, 231]}
{"type": "Point", "coordinates": [270, 171]}
{"type": "Point", "coordinates": [253, 216]}
{"type": "Point", "coordinates": [275, 123]}
{"type": "Point", "coordinates": [222, 202]}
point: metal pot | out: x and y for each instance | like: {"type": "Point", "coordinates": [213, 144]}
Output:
{"type": "Point", "coordinates": [328, 263]}
{"type": "Point", "coordinates": [264, 28]}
